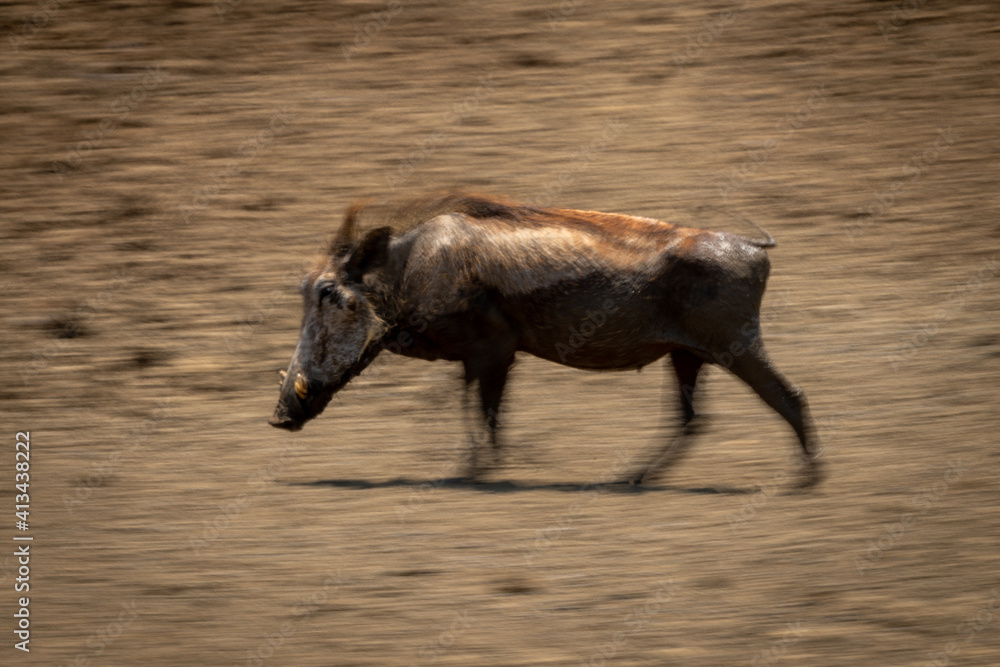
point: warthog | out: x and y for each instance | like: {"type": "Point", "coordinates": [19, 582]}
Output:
{"type": "Point", "coordinates": [480, 279]}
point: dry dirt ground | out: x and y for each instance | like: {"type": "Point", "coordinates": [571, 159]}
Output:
{"type": "Point", "coordinates": [168, 168]}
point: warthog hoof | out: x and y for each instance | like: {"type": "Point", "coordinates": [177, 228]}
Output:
{"type": "Point", "coordinates": [642, 478]}
{"type": "Point", "coordinates": [475, 473]}
{"type": "Point", "coordinates": [813, 472]}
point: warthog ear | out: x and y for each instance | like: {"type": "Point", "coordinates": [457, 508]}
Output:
{"type": "Point", "coordinates": [342, 240]}
{"type": "Point", "coordinates": [371, 253]}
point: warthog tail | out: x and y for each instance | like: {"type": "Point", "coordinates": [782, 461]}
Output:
{"type": "Point", "coordinates": [768, 242]}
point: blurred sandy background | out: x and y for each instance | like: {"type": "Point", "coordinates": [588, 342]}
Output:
{"type": "Point", "coordinates": [167, 169]}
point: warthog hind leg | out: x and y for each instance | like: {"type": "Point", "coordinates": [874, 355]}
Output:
{"type": "Point", "coordinates": [756, 369]}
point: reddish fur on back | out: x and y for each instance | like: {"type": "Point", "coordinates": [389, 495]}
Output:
{"type": "Point", "coordinates": [408, 213]}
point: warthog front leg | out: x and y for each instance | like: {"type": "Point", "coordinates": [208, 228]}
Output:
{"type": "Point", "coordinates": [672, 452]}
{"type": "Point", "coordinates": [490, 376]}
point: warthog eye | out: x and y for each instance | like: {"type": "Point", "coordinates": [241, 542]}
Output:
{"type": "Point", "coordinates": [328, 293]}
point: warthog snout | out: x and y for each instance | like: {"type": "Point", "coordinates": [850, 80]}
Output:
{"type": "Point", "coordinates": [302, 397]}
{"type": "Point", "coordinates": [284, 421]}
{"type": "Point", "coordinates": [295, 403]}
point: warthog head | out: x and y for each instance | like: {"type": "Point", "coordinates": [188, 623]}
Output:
{"type": "Point", "coordinates": [340, 327]}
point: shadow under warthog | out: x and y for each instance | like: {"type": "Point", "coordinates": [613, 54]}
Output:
{"type": "Point", "coordinates": [509, 486]}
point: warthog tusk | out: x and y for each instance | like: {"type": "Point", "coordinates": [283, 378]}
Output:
{"type": "Point", "coordinates": [301, 386]}
{"type": "Point", "coordinates": [282, 374]}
